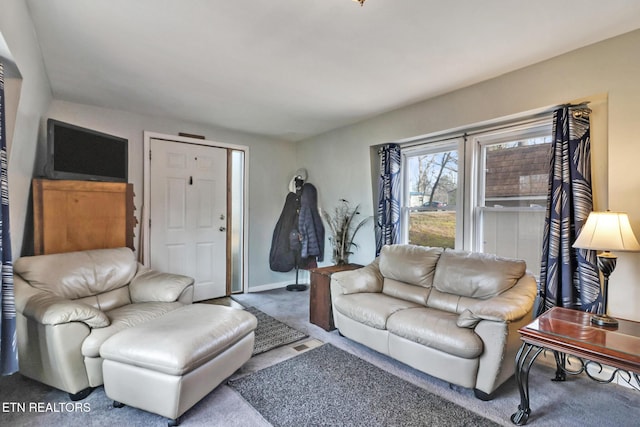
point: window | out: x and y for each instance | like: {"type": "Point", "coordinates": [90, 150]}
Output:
{"type": "Point", "coordinates": [484, 192]}
{"type": "Point", "coordinates": [513, 180]}
{"type": "Point", "coordinates": [432, 202]}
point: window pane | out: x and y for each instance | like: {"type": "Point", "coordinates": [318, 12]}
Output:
{"type": "Point", "coordinates": [512, 202]}
{"type": "Point", "coordinates": [517, 173]}
{"type": "Point", "coordinates": [237, 220]}
{"type": "Point", "coordinates": [432, 195]}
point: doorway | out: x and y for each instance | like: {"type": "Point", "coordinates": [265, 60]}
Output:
{"type": "Point", "coordinates": [194, 212]}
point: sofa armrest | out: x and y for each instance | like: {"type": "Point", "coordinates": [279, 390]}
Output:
{"type": "Point", "coordinates": [365, 279]}
{"type": "Point", "coordinates": [49, 309]}
{"type": "Point", "coordinates": [509, 306]}
{"type": "Point", "coordinates": [154, 286]}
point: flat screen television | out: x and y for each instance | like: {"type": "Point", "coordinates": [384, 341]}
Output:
{"type": "Point", "coordinates": [77, 153]}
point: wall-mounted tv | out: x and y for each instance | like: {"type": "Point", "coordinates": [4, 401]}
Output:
{"type": "Point", "coordinates": [77, 153]}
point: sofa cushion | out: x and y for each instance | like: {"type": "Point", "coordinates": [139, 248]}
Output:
{"type": "Point", "coordinates": [411, 264]}
{"type": "Point", "coordinates": [108, 300]}
{"type": "Point", "coordinates": [122, 318]}
{"type": "Point", "coordinates": [413, 293]}
{"type": "Point", "coordinates": [436, 329]}
{"type": "Point", "coordinates": [81, 274]}
{"type": "Point", "coordinates": [449, 302]}
{"type": "Point", "coordinates": [476, 275]}
{"type": "Point", "coordinates": [371, 309]}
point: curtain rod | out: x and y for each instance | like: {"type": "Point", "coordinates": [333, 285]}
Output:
{"type": "Point", "coordinates": [579, 110]}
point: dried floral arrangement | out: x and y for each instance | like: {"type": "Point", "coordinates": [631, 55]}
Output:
{"type": "Point", "coordinates": [343, 230]}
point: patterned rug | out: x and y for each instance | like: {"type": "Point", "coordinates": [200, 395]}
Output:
{"type": "Point", "coordinates": [330, 387]}
{"type": "Point", "coordinates": [272, 333]}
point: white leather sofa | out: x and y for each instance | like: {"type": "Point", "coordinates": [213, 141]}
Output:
{"type": "Point", "coordinates": [454, 315]}
{"type": "Point", "coordinates": [69, 304]}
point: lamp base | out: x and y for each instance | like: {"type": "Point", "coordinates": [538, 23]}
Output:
{"type": "Point", "coordinates": [604, 320]}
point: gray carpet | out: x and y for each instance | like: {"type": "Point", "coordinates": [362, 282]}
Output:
{"type": "Point", "coordinates": [330, 387]}
{"type": "Point", "coordinates": [272, 333]}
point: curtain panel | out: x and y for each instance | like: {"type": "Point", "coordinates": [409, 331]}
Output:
{"type": "Point", "coordinates": [569, 277]}
{"type": "Point", "coordinates": [388, 212]}
{"type": "Point", "coordinates": [8, 341]}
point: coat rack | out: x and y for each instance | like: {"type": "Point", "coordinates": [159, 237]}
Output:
{"type": "Point", "coordinates": [298, 237]}
{"type": "Point", "coordinates": [294, 237]}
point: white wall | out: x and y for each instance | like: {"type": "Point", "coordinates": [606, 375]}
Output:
{"type": "Point", "coordinates": [606, 73]}
{"type": "Point", "coordinates": [271, 164]}
{"type": "Point", "coordinates": [32, 94]}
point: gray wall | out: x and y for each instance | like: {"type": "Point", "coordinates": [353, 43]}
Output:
{"type": "Point", "coordinates": [605, 73]}
{"type": "Point", "coordinates": [271, 164]}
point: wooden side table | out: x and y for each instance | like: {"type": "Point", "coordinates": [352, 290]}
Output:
{"type": "Point", "coordinates": [570, 333]}
{"type": "Point", "coordinates": [320, 294]}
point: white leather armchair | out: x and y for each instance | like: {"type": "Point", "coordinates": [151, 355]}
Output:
{"type": "Point", "coordinates": [68, 304]}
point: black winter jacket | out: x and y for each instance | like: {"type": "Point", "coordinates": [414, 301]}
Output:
{"type": "Point", "coordinates": [282, 256]}
{"type": "Point", "coordinates": [310, 224]}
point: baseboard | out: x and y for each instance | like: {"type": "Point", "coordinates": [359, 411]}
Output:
{"type": "Point", "coordinates": [303, 278]}
{"type": "Point", "coordinates": [269, 286]}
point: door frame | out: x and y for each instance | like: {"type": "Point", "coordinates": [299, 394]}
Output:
{"type": "Point", "coordinates": [145, 239]}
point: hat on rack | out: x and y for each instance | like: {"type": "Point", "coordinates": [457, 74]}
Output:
{"type": "Point", "coordinates": [300, 174]}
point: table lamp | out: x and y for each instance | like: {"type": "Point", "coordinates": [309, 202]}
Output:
{"type": "Point", "coordinates": [606, 232]}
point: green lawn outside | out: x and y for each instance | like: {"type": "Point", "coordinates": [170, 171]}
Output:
{"type": "Point", "coordinates": [433, 228]}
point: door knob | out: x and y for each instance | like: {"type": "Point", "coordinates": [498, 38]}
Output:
{"type": "Point", "coordinates": [223, 229]}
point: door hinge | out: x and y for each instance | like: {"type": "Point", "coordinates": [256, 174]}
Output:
{"type": "Point", "coordinates": [149, 222]}
{"type": "Point", "coordinates": [149, 154]}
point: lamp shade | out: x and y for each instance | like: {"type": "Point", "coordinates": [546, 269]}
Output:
{"type": "Point", "coordinates": [607, 231]}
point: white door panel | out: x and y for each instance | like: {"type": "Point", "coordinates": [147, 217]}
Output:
{"type": "Point", "coordinates": [188, 186]}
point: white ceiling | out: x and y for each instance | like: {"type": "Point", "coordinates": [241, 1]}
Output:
{"type": "Point", "coordinates": [291, 69]}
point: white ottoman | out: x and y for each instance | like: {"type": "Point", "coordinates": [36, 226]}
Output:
{"type": "Point", "coordinates": [167, 365]}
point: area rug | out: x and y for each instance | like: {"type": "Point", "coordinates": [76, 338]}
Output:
{"type": "Point", "coordinates": [328, 387]}
{"type": "Point", "coordinates": [272, 333]}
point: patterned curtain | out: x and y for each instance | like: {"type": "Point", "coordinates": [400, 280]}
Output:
{"type": "Point", "coordinates": [569, 277]}
{"type": "Point", "coordinates": [8, 342]}
{"type": "Point", "coordinates": [388, 213]}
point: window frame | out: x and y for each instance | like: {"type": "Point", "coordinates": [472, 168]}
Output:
{"type": "Point", "coordinates": [470, 145]}
{"type": "Point", "coordinates": [482, 140]}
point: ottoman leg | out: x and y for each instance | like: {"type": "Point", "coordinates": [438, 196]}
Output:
{"type": "Point", "coordinates": [117, 404]}
{"type": "Point", "coordinates": [174, 423]}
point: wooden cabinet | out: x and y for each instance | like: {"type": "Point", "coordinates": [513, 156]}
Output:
{"type": "Point", "coordinates": [78, 215]}
{"type": "Point", "coordinates": [320, 312]}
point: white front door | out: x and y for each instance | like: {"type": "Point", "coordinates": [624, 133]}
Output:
{"type": "Point", "coordinates": [188, 214]}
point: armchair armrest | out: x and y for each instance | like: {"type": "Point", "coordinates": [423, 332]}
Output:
{"type": "Point", "coordinates": [365, 279]}
{"type": "Point", "coordinates": [154, 286]}
{"type": "Point", "coordinates": [510, 306]}
{"type": "Point", "coordinates": [49, 309]}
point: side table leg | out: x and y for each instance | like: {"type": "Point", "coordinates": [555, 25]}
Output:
{"type": "Point", "coordinates": [561, 360]}
{"type": "Point", "coordinates": [524, 361]}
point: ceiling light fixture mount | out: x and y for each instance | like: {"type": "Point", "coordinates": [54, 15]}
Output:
{"type": "Point", "coordinates": [360, 1]}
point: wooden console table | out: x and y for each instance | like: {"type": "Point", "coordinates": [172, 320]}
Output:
{"type": "Point", "coordinates": [570, 333]}
{"type": "Point", "coordinates": [320, 294]}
